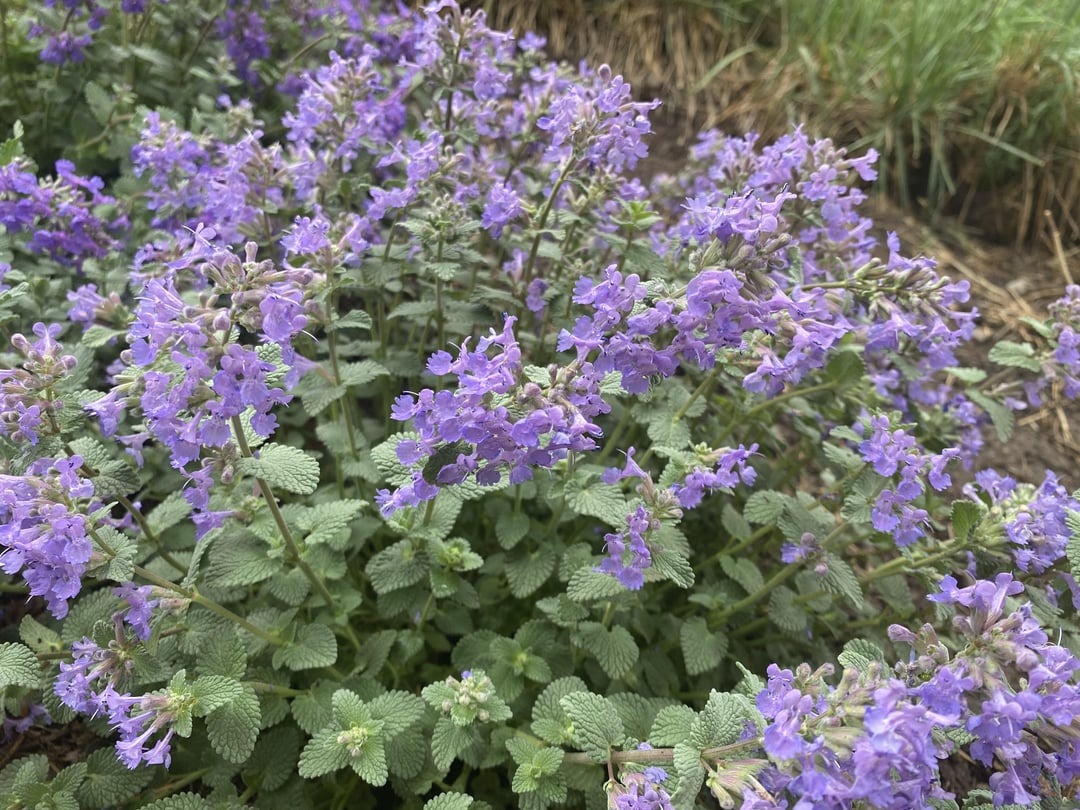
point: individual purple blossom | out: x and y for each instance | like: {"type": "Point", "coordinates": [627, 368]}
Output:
{"type": "Point", "coordinates": [502, 207]}
{"type": "Point", "coordinates": [140, 606]}
{"type": "Point", "coordinates": [807, 546]}
{"type": "Point", "coordinates": [16, 725]}
{"type": "Point", "coordinates": [641, 791]}
{"type": "Point", "coordinates": [628, 552]}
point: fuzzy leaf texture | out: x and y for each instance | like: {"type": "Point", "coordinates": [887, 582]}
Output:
{"type": "Point", "coordinates": [597, 727]}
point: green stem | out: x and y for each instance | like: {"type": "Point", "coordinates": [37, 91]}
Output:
{"type": "Point", "coordinates": [149, 533]}
{"type": "Point", "coordinates": [274, 689]}
{"type": "Point", "coordinates": [903, 564]}
{"type": "Point", "coordinates": [697, 392]}
{"type": "Point", "coordinates": [209, 604]}
{"type": "Point", "coordinates": [665, 755]}
{"type": "Point", "coordinates": [756, 535]}
{"type": "Point", "coordinates": [743, 417]}
{"type": "Point", "coordinates": [286, 533]}
{"type": "Point", "coordinates": [545, 212]}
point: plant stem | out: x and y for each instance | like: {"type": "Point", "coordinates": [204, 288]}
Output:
{"type": "Point", "coordinates": [137, 515]}
{"type": "Point", "coordinates": [899, 564]}
{"type": "Point", "coordinates": [664, 755]}
{"type": "Point", "coordinates": [274, 689]}
{"type": "Point", "coordinates": [209, 604]}
{"type": "Point", "coordinates": [286, 533]}
{"type": "Point", "coordinates": [545, 212]}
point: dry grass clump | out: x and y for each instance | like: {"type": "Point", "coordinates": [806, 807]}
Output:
{"type": "Point", "coordinates": [974, 105]}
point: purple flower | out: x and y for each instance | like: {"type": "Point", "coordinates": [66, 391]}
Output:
{"type": "Point", "coordinates": [41, 534]}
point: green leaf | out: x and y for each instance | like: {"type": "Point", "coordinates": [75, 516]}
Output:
{"type": "Point", "coordinates": [168, 513]}
{"type": "Point", "coordinates": [181, 801]}
{"type": "Point", "coordinates": [354, 319]}
{"type": "Point", "coordinates": [971, 376]}
{"type": "Point", "coordinates": [691, 773]}
{"type": "Point", "coordinates": [396, 567]}
{"type": "Point", "coordinates": [121, 567]}
{"type": "Point", "coordinates": [841, 580]}
{"type": "Point", "coordinates": [12, 147]}
{"type": "Point", "coordinates": [1000, 415]}
{"type": "Point", "coordinates": [843, 457]}
{"type": "Point", "coordinates": [407, 753]}
{"type": "Point", "coordinates": [37, 636]}
{"type": "Point", "coordinates": [214, 691]}
{"type": "Point", "coordinates": [234, 727]}
{"type": "Point", "coordinates": [597, 727]}
{"type": "Point", "coordinates": [784, 613]}
{"type": "Point", "coordinates": [845, 368]}
{"type": "Point", "coordinates": [615, 649]}
{"type": "Point", "coordinates": [283, 467]}
{"type": "Point", "coordinates": [588, 585]}
{"type": "Point", "coordinates": [550, 721]}
{"type": "Point", "coordinates": [670, 563]}
{"type": "Point", "coordinates": [860, 653]}
{"type": "Point", "coordinates": [109, 783]}
{"type": "Point", "coordinates": [326, 521]}
{"type": "Point", "coordinates": [323, 754]}
{"type": "Point", "coordinates": [764, 507]}
{"type": "Point", "coordinates": [397, 711]}
{"type": "Point", "coordinates": [1015, 355]}
{"type": "Point", "coordinates": [744, 572]}
{"type": "Point", "coordinates": [447, 741]}
{"type": "Point", "coordinates": [1072, 548]}
{"type": "Point", "coordinates": [370, 764]}
{"type": "Point", "coordinates": [702, 649]}
{"type": "Point", "coordinates": [18, 666]}
{"type": "Point", "coordinates": [528, 570]}
{"type": "Point", "coordinates": [362, 372]}
{"type": "Point", "coordinates": [672, 726]}
{"type": "Point", "coordinates": [241, 559]}
{"type": "Point", "coordinates": [312, 710]}
{"type": "Point", "coordinates": [222, 654]}
{"type": "Point", "coordinates": [896, 591]}
{"type": "Point", "coordinates": [511, 528]}
{"type": "Point", "coordinates": [315, 646]}
{"type": "Point", "coordinates": [734, 523]}
{"type": "Point", "coordinates": [449, 801]}
{"type": "Point", "coordinates": [601, 501]}
{"type": "Point", "coordinates": [965, 516]}
{"type": "Point", "coordinates": [273, 762]}
{"type": "Point", "coordinates": [722, 720]}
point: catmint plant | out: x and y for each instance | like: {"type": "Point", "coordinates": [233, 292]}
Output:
{"type": "Point", "coordinates": [373, 435]}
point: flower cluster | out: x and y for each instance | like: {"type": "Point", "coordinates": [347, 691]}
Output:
{"type": "Point", "coordinates": [1033, 517]}
{"type": "Point", "coordinates": [495, 420]}
{"type": "Point", "coordinates": [94, 682]}
{"type": "Point", "coordinates": [28, 395]}
{"type": "Point", "coordinates": [895, 452]}
{"type": "Point", "coordinates": [878, 739]}
{"type": "Point", "coordinates": [192, 402]}
{"type": "Point", "coordinates": [44, 534]}
{"type": "Point", "coordinates": [629, 554]}
{"type": "Point", "coordinates": [65, 217]}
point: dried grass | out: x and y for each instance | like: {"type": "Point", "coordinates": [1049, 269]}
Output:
{"type": "Point", "coordinates": [975, 105]}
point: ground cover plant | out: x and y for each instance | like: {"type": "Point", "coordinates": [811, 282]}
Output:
{"type": "Point", "coordinates": [373, 437]}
